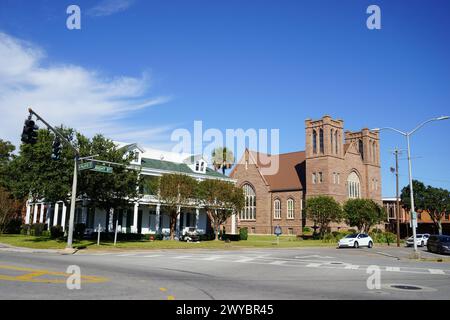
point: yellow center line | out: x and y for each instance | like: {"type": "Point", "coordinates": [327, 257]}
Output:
{"type": "Point", "coordinates": [170, 298]}
{"type": "Point", "coordinates": [34, 273]}
{"type": "Point", "coordinates": [163, 289]}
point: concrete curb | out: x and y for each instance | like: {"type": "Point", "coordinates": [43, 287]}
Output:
{"type": "Point", "coordinates": [10, 248]}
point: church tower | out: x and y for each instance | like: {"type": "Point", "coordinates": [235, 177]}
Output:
{"type": "Point", "coordinates": [367, 143]}
{"type": "Point", "coordinates": [325, 157]}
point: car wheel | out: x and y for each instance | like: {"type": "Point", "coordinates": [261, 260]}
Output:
{"type": "Point", "coordinates": [356, 245]}
{"type": "Point", "coordinates": [422, 244]}
{"type": "Point", "coordinates": [370, 245]}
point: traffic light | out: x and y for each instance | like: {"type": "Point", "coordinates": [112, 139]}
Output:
{"type": "Point", "coordinates": [57, 148]}
{"type": "Point", "coordinates": [29, 133]}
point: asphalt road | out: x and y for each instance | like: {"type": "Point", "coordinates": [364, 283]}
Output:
{"type": "Point", "coordinates": [306, 273]}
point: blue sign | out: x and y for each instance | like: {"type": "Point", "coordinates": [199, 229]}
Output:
{"type": "Point", "coordinates": [278, 230]}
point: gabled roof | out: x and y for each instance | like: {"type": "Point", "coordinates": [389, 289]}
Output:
{"type": "Point", "coordinates": [177, 168]}
{"type": "Point", "coordinates": [291, 170]}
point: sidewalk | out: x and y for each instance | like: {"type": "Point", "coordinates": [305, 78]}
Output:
{"type": "Point", "coordinates": [9, 248]}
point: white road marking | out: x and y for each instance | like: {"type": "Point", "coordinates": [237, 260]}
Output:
{"type": "Point", "coordinates": [151, 256]}
{"type": "Point", "coordinates": [436, 271]}
{"type": "Point", "coordinates": [278, 262]}
{"type": "Point", "coordinates": [351, 267]}
{"type": "Point", "coordinates": [314, 265]}
{"type": "Point", "coordinates": [126, 255]}
{"type": "Point", "coordinates": [313, 256]}
{"type": "Point", "coordinates": [212, 258]}
{"type": "Point", "coordinates": [393, 269]}
{"type": "Point", "coordinates": [244, 260]}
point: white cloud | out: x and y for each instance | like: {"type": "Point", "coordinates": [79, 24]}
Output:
{"type": "Point", "coordinates": [70, 94]}
{"type": "Point", "coordinates": [109, 7]}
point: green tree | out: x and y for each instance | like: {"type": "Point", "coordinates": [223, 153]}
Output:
{"type": "Point", "coordinates": [363, 214]}
{"type": "Point", "coordinates": [434, 201]}
{"type": "Point", "coordinates": [323, 210]}
{"type": "Point", "coordinates": [36, 175]}
{"type": "Point", "coordinates": [6, 156]}
{"type": "Point", "coordinates": [222, 158]}
{"type": "Point", "coordinates": [220, 199]}
{"type": "Point", "coordinates": [420, 191]}
{"type": "Point", "coordinates": [9, 209]}
{"type": "Point", "coordinates": [437, 204]}
{"type": "Point", "coordinates": [175, 191]}
{"type": "Point", "coordinates": [108, 191]}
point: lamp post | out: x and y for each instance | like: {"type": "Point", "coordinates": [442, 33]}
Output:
{"type": "Point", "coordinates": [408, 135]}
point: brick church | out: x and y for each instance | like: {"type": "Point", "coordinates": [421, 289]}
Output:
{"type": "Point", "coordinates": [340, 164]}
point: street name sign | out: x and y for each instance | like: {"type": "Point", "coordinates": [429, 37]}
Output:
{"type": "Point", "coordinates": [86, 166]}
{"type": "Point", "coordinates": [103, 169]}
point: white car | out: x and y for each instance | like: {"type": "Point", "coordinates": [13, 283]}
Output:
{"type": "Point", "coordinates": [421, 240]}
{"type": "Point", "coordinates": [356, 240]}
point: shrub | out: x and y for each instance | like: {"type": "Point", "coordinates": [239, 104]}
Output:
{"type": "Point", "coordinates": [207, 237]}
{"type": "Point", "coordinates": [243, 233]}
{"type": "Point", "coordinates": [25, 229]}
{"type": "Point", "coordinates": [307, 230]}
{"type": "Point", "coordinates": [328, 237]}
{"type": "Point", "coordinates": [56, 232]}
{"type": "Point", "coordinates": [37, 229]}
{"type": "Point", "coordinates": [79, 230]}
{"type": "Point", "coordinates": [231, 237]}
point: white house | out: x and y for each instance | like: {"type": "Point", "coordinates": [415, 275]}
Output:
{"type": "Point", "coordinates": [147, 215]}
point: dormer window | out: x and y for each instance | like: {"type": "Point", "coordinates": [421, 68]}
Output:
{"type": "Point", "coordinates": [136, 156]}
{"type": "Point", "coordinates": [197, 166]}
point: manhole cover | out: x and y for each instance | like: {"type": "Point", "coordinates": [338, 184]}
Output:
{"type": "Point", "coordinates": [405, 287]}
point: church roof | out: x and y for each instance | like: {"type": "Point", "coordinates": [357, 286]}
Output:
{"type": "Point", "coordinates": [290, 174]}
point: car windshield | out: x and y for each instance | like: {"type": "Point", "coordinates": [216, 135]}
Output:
{"type": "Point", "coordinates": [351, 236]}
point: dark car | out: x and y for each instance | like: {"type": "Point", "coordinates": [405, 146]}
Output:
{"type": "Point", "coordinates": [439, 244]}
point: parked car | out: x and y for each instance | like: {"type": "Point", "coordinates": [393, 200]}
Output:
{"type": "Point", "coordinates": [356, 240]}
{"type": "Point", "coordinates": [190, 234]}
{"type": "Point", "coordinates": [439, 244]}
{"type": "Point", "coordinates": [421, 240]}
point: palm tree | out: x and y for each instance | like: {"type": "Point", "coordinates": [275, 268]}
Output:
{"type": "Point", "coordinates": [222, 158]}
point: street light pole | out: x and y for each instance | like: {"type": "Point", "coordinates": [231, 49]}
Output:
{"type": "Point", "coordinates": [411, 189]}
{"type": "Point", "coordinates": [397, 201]}
{"type": "Point", "coordinates": [407, 135]}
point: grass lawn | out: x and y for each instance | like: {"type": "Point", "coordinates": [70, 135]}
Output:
{"type": "Point", "coordinates": [254, 241]}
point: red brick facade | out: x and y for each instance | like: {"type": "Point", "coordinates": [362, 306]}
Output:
{"type": "Point", "coordinates": [335, 163]}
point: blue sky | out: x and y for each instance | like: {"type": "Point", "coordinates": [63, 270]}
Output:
{"type": "Point", "coordinates": [139, 69]}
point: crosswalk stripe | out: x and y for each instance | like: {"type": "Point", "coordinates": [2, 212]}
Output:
{"type": "Point", "coordinates": [211, 258]}
{"type": "Point", "coordinates": [436, 271]}
{"type": "Point", "coordinates": [352, 267]}
{"type": "Point", "coordinates": [245, 260]}
{"type": "Point", "coordinates": [279, 262]}
{"type": "Point", "coordinates": [313, 265]}
{"type": "Point", "coordinates": [393, 269]}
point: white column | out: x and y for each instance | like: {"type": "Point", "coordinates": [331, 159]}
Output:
{"type": "Point", "coordinates": [158, 216]}
{"type": "Point", "coordinates": [134, 228]}
{"type": "Point", "coordinates": [41, 215]}
{"type": "Point", "coordinates": [63, 218]}
{"type": "Point", "coordinates": [197, 217]}
{"type": "Point", "coordinates": [233, 223]}
{"type": "Point", "coordinates": [49, 212]}
{"type": "Point", "coordinates": [55, 214]}
{"type": "Point", "coordinates": [27, 216]}
{"type": "Point", "coordinates": [35, 213]}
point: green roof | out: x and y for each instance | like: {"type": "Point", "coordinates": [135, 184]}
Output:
{"type": "Point", "coordinates": [177, 167]}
